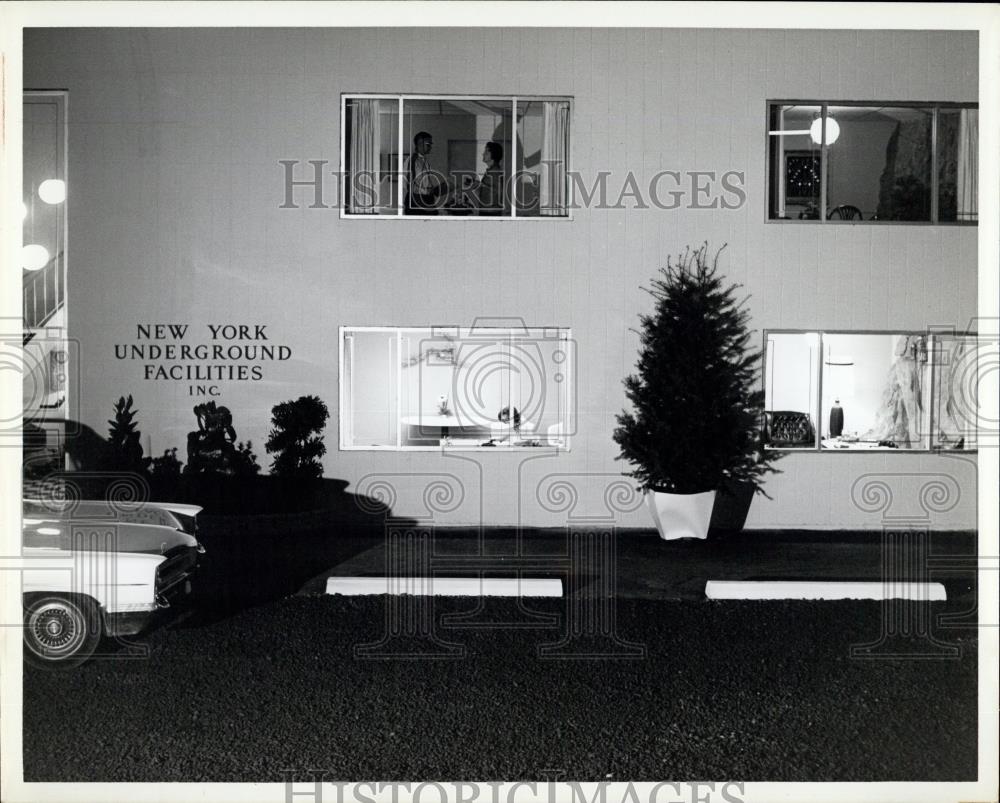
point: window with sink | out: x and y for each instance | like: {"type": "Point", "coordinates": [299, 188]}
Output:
{"type": "Point", "coordinates": [412, 388]}
{"type": "Point", "coordinates": [858, 162]}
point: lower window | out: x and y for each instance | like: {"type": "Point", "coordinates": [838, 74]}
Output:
{"type": "Point", "coordinates": [411, 388]}
{"type": "Point", "coordinates": [861, 391]}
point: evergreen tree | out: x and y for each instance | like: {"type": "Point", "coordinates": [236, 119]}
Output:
{"type": "Point", "coordinates": [697, 410]}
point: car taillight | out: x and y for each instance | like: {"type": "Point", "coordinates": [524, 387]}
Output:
{"type": "Point", "coordinates": [178, 566]}
{"type": "Point", "coordinates": [189, 524]}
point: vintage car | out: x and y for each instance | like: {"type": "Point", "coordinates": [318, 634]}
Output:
{"type": "Point", "coordinates": [94, 569]}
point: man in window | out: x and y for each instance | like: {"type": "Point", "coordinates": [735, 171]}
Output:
{"type": "Point", "coordinates": [423, 182]}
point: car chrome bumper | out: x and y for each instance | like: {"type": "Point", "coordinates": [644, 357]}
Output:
{"type": "Point", "coordinates": [127, 623]}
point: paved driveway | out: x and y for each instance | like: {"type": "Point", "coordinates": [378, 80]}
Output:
{"type": "Point", "coordinates": [683, 690]}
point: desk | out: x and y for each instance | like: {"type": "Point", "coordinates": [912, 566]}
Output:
{"type": "Point", "coordinates": [444, 423]}
{"type": "Point", "coordinates": [858, 445]}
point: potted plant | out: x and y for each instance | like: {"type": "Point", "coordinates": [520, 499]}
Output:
{"type": "Point", "coordinates": [694, 428]}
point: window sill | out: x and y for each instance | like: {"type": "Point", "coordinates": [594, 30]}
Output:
{"type": "Point", "coordinates": [873, 451]}
{"type": "Point", "coordinates": [797, 222]}
{"type": "Point", "coordinates": [495, 218]}
{"type": "Point", "coordinates": [456, 448]}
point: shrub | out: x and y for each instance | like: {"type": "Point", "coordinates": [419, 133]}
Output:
{"type": "Point", "coordinates": [295, 439]}
{"type": "Point", "coordinates": [211, 448]}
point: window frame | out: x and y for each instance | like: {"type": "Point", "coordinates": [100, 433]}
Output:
{"type": "Point", "coordinates": [934, 106]}
{"type": "Point", "coordinates": [817, 447]}
{"type": "Point", "coordinates": [565, 334]}
{"type": "Point", "coordinates": [402, 98]}
{"type": "Point", "coordinates": [60, 99]}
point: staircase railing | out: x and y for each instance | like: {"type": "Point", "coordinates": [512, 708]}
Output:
{"type": "Point", "coordinates": [44, 293]}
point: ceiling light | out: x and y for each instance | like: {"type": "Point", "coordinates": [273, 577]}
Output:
{"type": "Point", "coordinates": [832, 130]}
{"type": "Point", "coordinates": [52, 191]}
{"type": "Point", "coordinates": [34, 257]}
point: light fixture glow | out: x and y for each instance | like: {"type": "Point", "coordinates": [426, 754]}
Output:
{"type": "Point", "coordinates": [34, 256]}
{"type": "Point", "coordinates": [832, 130]}
{"type": "Point", "coordinates": [49, 531]}
{"type": "Point", "coordinates": [24, 211]}
{"type": "Point", "coordinates": [52, 191]}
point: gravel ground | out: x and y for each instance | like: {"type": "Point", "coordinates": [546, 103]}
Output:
{"type": "Point", "coordinates": [732, 690]}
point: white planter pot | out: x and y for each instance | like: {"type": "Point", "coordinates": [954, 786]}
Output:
{"type": "Point", "coordinates": [681, 515]}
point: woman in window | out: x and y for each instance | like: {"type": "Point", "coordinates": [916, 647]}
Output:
{"type": "Point", "coordinates": [489, 189]}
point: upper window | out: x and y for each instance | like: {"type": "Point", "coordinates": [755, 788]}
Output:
{"type": "Point", "coordinates": [882, 162]}
{"type": "Point", "coordinates": [455, 156]}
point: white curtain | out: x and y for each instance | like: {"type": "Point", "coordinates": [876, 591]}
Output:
{"type": "Point", "coordinates": [366, 137]}
{"type": "Point", "coordinates": [555, 153]}
{"type": "Point", "coordinates": [968, 165]}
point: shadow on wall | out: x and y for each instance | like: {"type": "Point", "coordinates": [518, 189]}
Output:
{"type": "Point", "coordinates": [265, 537]}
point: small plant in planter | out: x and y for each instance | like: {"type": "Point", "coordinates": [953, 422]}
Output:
{"type": "Point", "coordinates": [244, 461]}
{"type": "Point", "coordinates": [167, 467]}
{"type": "Point", "coordinates": [295, 438]}
{"type": "Point", "coordinates": [695, 424]}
